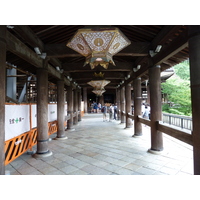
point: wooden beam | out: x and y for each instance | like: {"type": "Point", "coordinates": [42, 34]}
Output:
{"type": "Point", "coordinates": [46, 29]}
{"type": "Point", "coordinates": [173, 48]}
{"type": "Point", "coordinates": [15, 46]}
{"type": "Point", "coordinates": [178, 134]}
{"type": "Point", "coordinates": [181, 135]}
{"type": "Point", "coordinates": [32, 39]}
{"type": "Point", "coordinates": [78, 67]}
{"type": "Point", "coordinates": [163, 35]}
{"type": "Point", "coordinates": [61, 50]}
{"type": "Point", "coordinates": [24, 72]}
{"type": "Point", "coordinates": [29, 36]}
{"type": "Point", "coordinates": [168, 51]}
{"type": "Point", "coordinates": [144, 121]}
{"type": "Point", "coordinates": [132, 54]}
{"type": "Point", "coordinates": [90, 75]}
{"type": "Point", "coordinates": [17, 75]}
{"type": "Point", "coordinates": [12, 100]}
{"type": "Point", "coordinates": [79, 79]}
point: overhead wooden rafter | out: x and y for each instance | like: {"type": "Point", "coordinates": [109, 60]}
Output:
{"type": "Point", "coordinates": [52, 40]}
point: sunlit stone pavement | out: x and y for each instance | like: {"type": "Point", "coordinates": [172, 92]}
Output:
{"type": "Point", "coordinates": [106, 148]}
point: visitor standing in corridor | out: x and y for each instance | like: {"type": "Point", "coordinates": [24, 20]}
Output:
{"type": "Point", "coordinates": [104, 111]}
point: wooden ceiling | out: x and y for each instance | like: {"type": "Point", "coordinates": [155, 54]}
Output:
{"type": "Point", "coordinates": [52, 39]}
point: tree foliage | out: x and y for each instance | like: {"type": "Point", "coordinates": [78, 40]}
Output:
{"type": "Point", "coordinates": [177, 91]}
{"type": "Point", "coordinates": [182, 70]}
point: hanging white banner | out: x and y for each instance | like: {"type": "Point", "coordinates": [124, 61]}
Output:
{"type": "Point", "coordinates": [34, 115]}
{"type": "Point", "coordinates": [17, 120]}
{"type": "Point", "coordinates": [52, 112]}
{"type": "Point", "coordinates": [65, 109]}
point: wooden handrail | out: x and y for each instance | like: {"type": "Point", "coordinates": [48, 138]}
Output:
{"type": "Point", "coordinates": [177, 120]}
{"type": "Point", "coordinates": [144, 121]}
{"type": "Point", "coordinates": [130, 116]}
{"type": "Point", "coordinates": [184, 136]}
{"type": "Point", "coordinates": [123, 113]}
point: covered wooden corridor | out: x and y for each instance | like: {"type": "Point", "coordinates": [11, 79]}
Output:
{"type": "Point", "coordinates": [44, 90]}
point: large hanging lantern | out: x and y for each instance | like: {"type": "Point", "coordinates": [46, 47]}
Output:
{"type": "Point", "coordinates": [98, 84]}
{"type": "Point", "coordinates": [98, 45]}
{"type": "Point", "coordinates": [99, 92]}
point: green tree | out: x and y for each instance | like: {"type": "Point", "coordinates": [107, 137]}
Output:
{"type": "Point", "coordinates": [177, 91]}
{"type": "Point", "coordinates": [182, 70]}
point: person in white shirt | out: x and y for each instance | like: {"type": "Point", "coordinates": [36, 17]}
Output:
{"type": "Point", "coordinates": [146, 113]}
{"type": "Point", "coordinates": [143, 108]}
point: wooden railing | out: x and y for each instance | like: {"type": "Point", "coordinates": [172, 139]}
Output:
{"type": "Point", "coordinates": [177, 120]}
{"type": "Point", "coordinates": [184, 136]}
{"type": "Point", "coordinates": [180, 134]}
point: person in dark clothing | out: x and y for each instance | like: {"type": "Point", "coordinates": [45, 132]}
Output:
{"type": "Point", "coordinates": [104, 111]}
{"type": "Point", "coordinates": [115, 112]}
{"type": "Point", "coordinates": [95, 107]}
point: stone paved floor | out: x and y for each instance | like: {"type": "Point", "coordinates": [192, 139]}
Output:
{"type": "Point", "coordinates": [106, 148]}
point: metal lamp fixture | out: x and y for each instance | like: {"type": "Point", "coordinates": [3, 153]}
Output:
{"type": "Point", "coordinates": [98, 84]}
{"type": "Point", "coordinates": [98, 45]}
{"type": "Point", "coordinates": [37, 50]}
{"type": "Point", "coordinates": [99, 92]}
{"type": "Point", "coordinates": [100, 74]}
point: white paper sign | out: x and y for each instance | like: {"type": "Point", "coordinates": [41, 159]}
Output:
{"type": "Point", "coordinates": [17, 120]}
{"type": "Point", "coordinates": [52, 112]}
{"type": "Point", "coordinates": [34, 115]}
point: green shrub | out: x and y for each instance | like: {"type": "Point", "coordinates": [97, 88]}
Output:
{"type": "Point", "coordinates": [175, 111]}
{"type": "Point", "coordinates": [165, 107]}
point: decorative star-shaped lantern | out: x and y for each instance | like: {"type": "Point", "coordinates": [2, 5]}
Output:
{"type": "Point", "coordinates": [98, 84]}
{"type": "Point", "coordinates": [99, 92]}
{"type": "Point", "coordinates": [98, 45]}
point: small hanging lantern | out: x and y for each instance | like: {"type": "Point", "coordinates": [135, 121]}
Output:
{"type": "Point", "coordinates": [98, 84]}
{"type": "Point", "coordinates": [99, 92]}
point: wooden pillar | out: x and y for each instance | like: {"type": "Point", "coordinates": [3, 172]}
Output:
{"type": "Point", "coordinates": [128, 105]}
{"type": "Point", "coordinates": [132, 100]}
{"type": "Point", "coordinates": [115, 97]}
{"type": "Point", "coordinates": [60, 110]}
{"type": "Point", "coordinates": [118, 105]}
{"type": "Point", "coordinates": [76, 106]}
{"type": "Point", "coordinates": [3, 96]}
{"type": "Point", "coordinates": [148, 95]}
{"type": "Point", "coordinates": [194, 58]}
{"type": "Point", "coordinates": [101, 100]}
{"type": "Point", "coordinates": [79, 104]}
{"type": "Point", "coordinates": [42, 113]}
{"type": "Point", "coordinates": [85, 100]}
{"type": "Point", "coordinates": [70, 107]}
{"type": "Point", "coordinates": [156, 108]}
{"type": "Point", "coordinates": [122, 100]}
{"type": "Point", "coordinates": [137, 106]}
